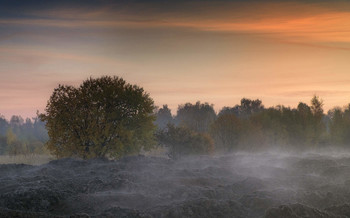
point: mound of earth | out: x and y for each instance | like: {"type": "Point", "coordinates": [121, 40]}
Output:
{"type": "Point", "coordinates": [235, 185]}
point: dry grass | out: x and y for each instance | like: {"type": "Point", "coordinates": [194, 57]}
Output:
{"type": "Point", "coordinates": [156, 152]}
{"type": "Point", "coordinates": [38, 159]}
{"type": "Point", "coordinates": [32, 159]}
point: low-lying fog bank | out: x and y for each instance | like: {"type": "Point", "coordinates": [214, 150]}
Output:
{"type": "Point", "coordinates": [234, 185]}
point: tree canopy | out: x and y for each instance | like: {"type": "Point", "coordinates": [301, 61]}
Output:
{"type": "Point", "coordinates": [182, 141]}
{"type": "Point", "coordinates": [164, 117]}
{"type": "Point", "coordinates": [197, 117]}
{"type": "Point", "coordinates": [103, 117]}
{"type": "Point", "coordinates": [109, 117]}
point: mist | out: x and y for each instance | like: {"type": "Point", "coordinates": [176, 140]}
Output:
{"type": "Point", "coordinates": [175, 109]}
{"type": "Point", "coordinates": [240, 162]}
{"type": "Point", "coordinates": [267, 184]}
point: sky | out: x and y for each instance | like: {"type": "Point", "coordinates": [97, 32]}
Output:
{"type": "Point", "coordinates": [281, 52]}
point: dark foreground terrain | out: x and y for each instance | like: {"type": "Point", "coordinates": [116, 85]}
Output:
{"type": "Point", "coordinates": [237, 185]}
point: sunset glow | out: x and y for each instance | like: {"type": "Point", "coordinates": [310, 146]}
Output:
{"type": "Point", "coordinates": [280, 52]}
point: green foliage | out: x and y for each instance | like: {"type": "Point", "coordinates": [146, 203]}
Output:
{"type": "Point", "coordinates": [252, 136]}
{"type": "Point", "coordinates": [246, 109]}
{"type": "Point", "coordinates": [339, 126]}
{"type": "Point", "coordinates": [198, 117]}
{"type": "Point", "coordinates": [250, 126]}
{"type": "Point", "coordinates": [17, 135]}
{"type": "Point", "coordinates": [226, 132]}
{"type": "Point", "coordinates": [249, 107]}
{"type": "Point", "coordinates": [108, 117]}
{"type": "Point", "coordinates": [236, 110]}
{"type": "Point", "coordinates": [184, 141]}
{"type": "Point", "coordinates": [103, 117]}
{"type": "Point", "coordinates": [272, 126]}
{"type": "Point", "coordinates": [282, 126]}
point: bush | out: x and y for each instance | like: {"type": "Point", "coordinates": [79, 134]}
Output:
{"type": "Point", "coordinates": [226, 132]}
{"type": "Point", "coordinates": [183, 141]}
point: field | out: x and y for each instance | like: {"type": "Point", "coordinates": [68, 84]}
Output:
{"type": "Point", "coordinates": [235, 185]}
{"type": "Point", "coordinates": [32, 159]}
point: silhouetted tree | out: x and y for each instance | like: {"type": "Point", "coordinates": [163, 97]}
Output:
{"type": "Point", "coordinates": [39, 129]}
{"type": "Point", "coordinates": [249, 107]}
{"type": "Point", "coordinates": [163, 117]}
{"type": "Point", "coordinates": [3, 139]}
{"type": "Point", "coordinates": [3, 145]}
{"type": "Point", "coordinates": [339, 126]}
{"type": "Point", "coordinates": [318, 124]}
{"type": "Point", "coordinates": [236, 110]}
{"type": "Point", "coordinates": [317, 108]}
{"type": "Point", "coordinates": [16, 121]}
{"type": "Point", "coordinates": [4, 125]}
{"type": "Point", "coordinates": [305, 119]}
{"type": "Point", "coordinates": [197, 117]}
{"type": "Point", "coordinates": [226, 132]}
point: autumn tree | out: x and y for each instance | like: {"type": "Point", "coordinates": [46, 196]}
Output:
{"type": "Point", "coordinates": [103, 117]}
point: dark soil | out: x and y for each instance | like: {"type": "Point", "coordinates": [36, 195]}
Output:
{"type": "Point", "coordinates": [237, 185]}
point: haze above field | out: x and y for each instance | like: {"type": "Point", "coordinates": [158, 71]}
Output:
{"type": "Point", "coordinates": [282, 52]}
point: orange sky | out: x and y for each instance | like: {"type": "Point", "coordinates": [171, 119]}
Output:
{"type": "Point", "coordinates": [217, 52]}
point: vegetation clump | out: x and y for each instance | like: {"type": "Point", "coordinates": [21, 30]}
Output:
{"type": "Point", "coordinates": [107, 117]}
{"type": "Point", "coordinates": [103, 117]}
{"type": "Point", "coordinates": [183, 141]}
{"type": "Point", "coordinates": [22, 137]}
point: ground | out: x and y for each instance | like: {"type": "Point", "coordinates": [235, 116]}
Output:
{"type": "Point", "coordinates": [32, 159]}
{"type": "Point", "coordinates": [233, 185]}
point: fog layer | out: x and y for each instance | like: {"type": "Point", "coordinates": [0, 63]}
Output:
{"type": "Point", "coordinates": [234, 185]}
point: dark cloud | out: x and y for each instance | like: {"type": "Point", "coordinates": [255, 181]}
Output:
{"type": "Point", "coordinates": [153, 42]}
{"type": "Point", "coordinates": [206, 8]}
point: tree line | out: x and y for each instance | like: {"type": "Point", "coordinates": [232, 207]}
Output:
{"type": "Point", "coordinates": [19, 136]}
{"type": "Point", "coordinates": [108, 117]}
{"type": "Point", "coordinates": [250, 126]}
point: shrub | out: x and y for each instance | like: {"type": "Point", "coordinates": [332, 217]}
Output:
{"type": "Point", "coordinates": [183, 141]}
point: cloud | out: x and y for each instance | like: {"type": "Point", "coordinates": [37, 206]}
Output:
{"type": "Point", "coordinates": [219, 51]}
{"type": "Point", "coordinates": [323, 93]}
{"type": "Point", "coordinates": [290, 21]}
